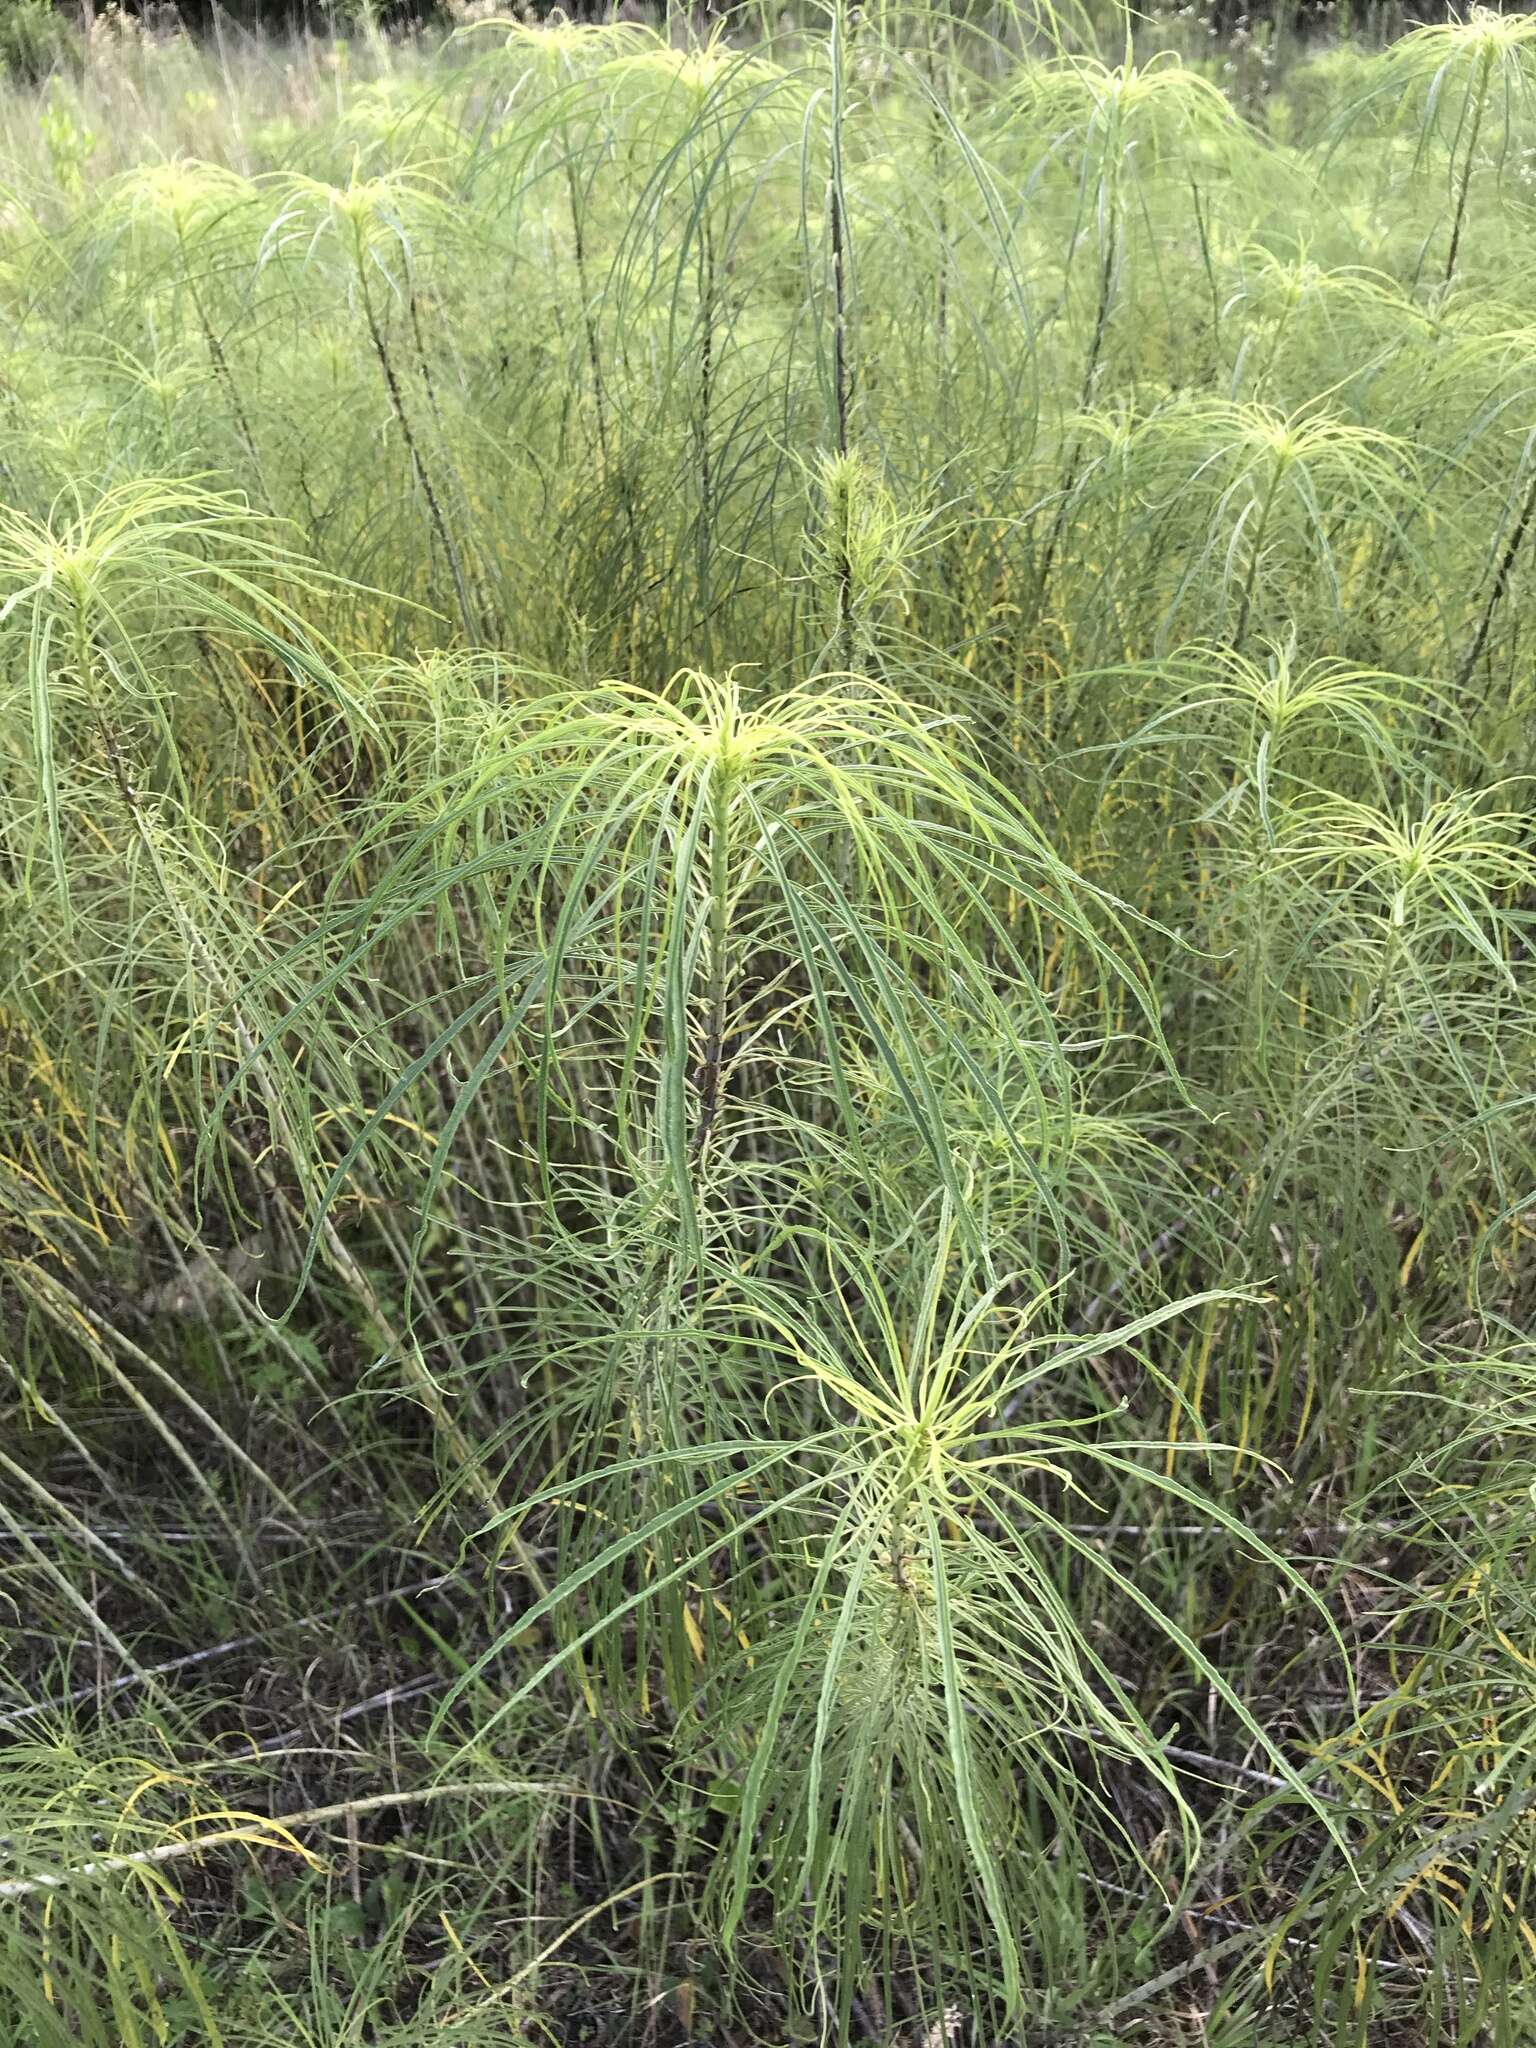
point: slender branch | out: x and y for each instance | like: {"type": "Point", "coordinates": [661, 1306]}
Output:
{"type": "Point", "coordinates": [1500, 583]}
{"type": "Point", "coordinates": [310, 1817]}
{"type": "Point", "coordinates": [418, 461]}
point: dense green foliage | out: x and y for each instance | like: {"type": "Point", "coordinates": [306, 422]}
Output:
{"type": "Point", "coordinates": [766, 1040]}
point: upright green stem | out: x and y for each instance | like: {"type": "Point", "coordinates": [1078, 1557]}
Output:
{"type": "Point", "coordinates": [589, 324]}
{"type": "Point", "coordinates": [1107, 270]}
{"type": "Point", "coordinates": [599, 389]}
{"type": "Point", "coordinates": [707, 1076]}
{"type": "Point", "coordinates": [1256, 552]}
{"type": "Point", "coordinates": [485, 610]}
{"type": "Point", "coordinates": [842, 386]}
{"type": "Point", "coordinates": [941, 204]}
{"type": "Point", "coordinates": [418, 461]}
{"type": "Point", "coordinates": [222, 370]}
{"type": "Point", "coordinates": [703, 418]}
{"type": "Point", "coordinates": [1500, 583]}
{"type": "Point", "coordinates": [842, 390]}
{"type": "Point", "coordinates": [1484, 74]}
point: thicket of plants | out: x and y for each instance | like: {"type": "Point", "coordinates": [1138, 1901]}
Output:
{"type": "Point", "coordinates": [766, 1040]}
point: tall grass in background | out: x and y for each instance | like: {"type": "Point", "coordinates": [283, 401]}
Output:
{"type": "Point", "coordinates": [766, 1135]}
